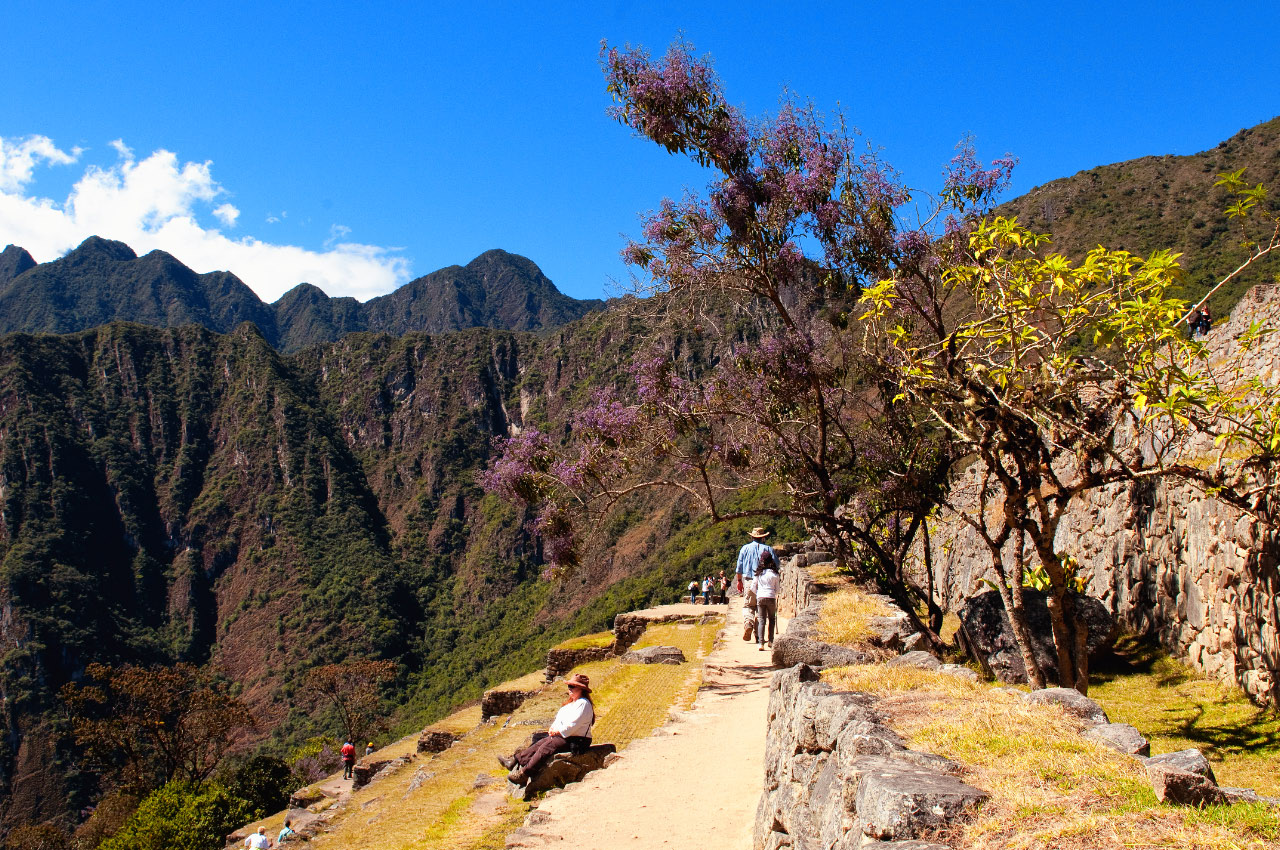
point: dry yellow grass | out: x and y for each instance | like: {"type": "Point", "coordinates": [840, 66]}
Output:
{"type": "Point", "coordinates": [446, 811]}
{"type": "Point", "coordinates": [1050, 788]}
{"type": "Point", "coordinates": [846, 616]}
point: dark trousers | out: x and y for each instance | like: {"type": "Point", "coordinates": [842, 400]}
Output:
{"type": "Point", "coordinates": [766, 613]}
{"type": "Point", "coordinates": [532, 756]}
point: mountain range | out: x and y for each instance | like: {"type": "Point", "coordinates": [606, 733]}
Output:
{"type": "Point", "coordinates": [104, 281]}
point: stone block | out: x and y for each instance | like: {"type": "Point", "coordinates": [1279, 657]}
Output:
{"type": "Point", "coordinates": [1182, 786]}
{"type": "Point", "coordinates": [1072, 701]}
{"type": "Point", "coordinates": [789, 650]}
{"type": "Point", "coordinates": [1190, 760]}
{"type": "Point", "coordinates": [987, 635]}
{"type": "Point", "coordinates": [1120, 737]}
{"type": "Point", "coordinates": [654, 655]}
{"type": "Point", "coordinates": [561, 661]}
{"type": "Point", "coordinates": [918, 660]}
{"type": "Point", "coordinates": [897, 800]}
{"type": "Point", "coordinates": [304, 797]}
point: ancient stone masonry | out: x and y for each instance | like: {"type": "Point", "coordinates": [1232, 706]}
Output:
{"type": "Point", "coordinates": [561, 661]}
{"type": "Point", "coordinates": [1166, 559]}
{"type": "Point", "coordinates": [836, 777]}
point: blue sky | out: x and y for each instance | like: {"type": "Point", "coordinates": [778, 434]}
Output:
{"type": "Point", "coordinates": [359, 145]}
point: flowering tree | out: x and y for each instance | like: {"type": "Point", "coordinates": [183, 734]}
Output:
{"type": "Point", "coordinates": [764, 270]}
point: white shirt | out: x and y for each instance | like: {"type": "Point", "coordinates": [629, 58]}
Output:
{"type": "Point", "coordinates": [257, 841]}
{"type": "Point", "coordinates": [767, 585]}
{"type": "Point", "coordinates": [574, 718]}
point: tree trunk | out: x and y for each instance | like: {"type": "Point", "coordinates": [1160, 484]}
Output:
{"type": "Point", "coordinates": [1070, 637]}
{"type": "Point", "coordinates": [1012, 598]}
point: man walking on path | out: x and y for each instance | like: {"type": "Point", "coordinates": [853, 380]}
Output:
{"type": "Point", "coordinates": [749, 556]}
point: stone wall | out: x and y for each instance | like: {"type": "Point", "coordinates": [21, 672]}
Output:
{"type": "Point", "coordinates": [1168, 560]}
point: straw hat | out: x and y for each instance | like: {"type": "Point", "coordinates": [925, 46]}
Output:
{"type": "Point", "coordinates": [759, 533]}
{"type": "Point", "coordinates": [580, 680]}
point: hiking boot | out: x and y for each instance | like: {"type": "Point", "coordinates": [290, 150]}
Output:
{"type": "Point", "coordinates": [517, 776]}
{"type": "Point", "coordinates": [507, 761]}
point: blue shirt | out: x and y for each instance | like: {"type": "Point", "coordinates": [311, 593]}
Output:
{"type": "Point", "coordinates": [749, 558]}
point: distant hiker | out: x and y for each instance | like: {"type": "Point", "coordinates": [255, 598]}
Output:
{"type": "Point", "coordinates": [749, 610]}
{"type": "Point", "coordinates": [348, 759]}
{"type": "Point", "coordinates": [1206, 320]}
{"type": "Point", "coordinates": [1193, 322]}
{"type": "Point", "coordinates": [722, 588]}
{"type": "Point", "coordinates": [767, 581]}
{"type": "Point", "coordinates": [368, 748]}
{"type": "Point", "coordinates": [286, 832]}
{"type": "Point", "coordinates": [706, 590]}
{"type": "Point", "coordinates": [693, 592]}
{"type": "Point", "coordinates": [570, 730]}
{"type": "Point", "coordinates": [749, 556]}
{"type": "Point", "coordinates": [259, 840]}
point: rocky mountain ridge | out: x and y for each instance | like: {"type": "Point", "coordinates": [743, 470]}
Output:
{"type": "Point", "coordinates": [104, 281]}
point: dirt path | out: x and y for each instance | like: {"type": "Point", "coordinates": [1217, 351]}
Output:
{"type": "Point", "coordinates": [694, 783]}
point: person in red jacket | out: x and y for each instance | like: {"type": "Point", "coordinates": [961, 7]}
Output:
{"type": "Point", "coordinates": [348, 759]}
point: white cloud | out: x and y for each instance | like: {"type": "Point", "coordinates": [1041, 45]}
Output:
{"type": "Point", "coordinates": [153, 204]}
{"type": "Point", "coordinates": [18, 159]}
{"type": "Point", "coordinates": [227, 214]}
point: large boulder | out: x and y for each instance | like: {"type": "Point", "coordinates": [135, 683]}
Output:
{"type": "Point", "coordinates": [562, 769]}
{"type": "Point", "coordinates": [987, 635]}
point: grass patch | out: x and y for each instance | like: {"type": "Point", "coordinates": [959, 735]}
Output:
{"type": "Point", "coordinates": [1177, 708]}
{"type": "Point", "coordinates": [1050, 788]}
{"type": "Point", "coordinates": [635, 699]}
{"type": "Point", "coordinates": [594, 641]}
{"type": "Point", "coordinates": [846, 616]}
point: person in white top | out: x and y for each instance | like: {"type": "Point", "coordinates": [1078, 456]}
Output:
{"type": "Point", "coordinates": [767, 581]}
{"type": "Point", "coordinates": [258, 840]}
{"type": "Point", "coordinates": [572, 725]}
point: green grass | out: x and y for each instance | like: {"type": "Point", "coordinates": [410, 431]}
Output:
{"type": "Point", "coordinates": [592, 641]}
{"type": "Point", "coordinates": [1177, 708]}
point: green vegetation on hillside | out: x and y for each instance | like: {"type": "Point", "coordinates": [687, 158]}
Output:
{"type": "Point", "coordinates": [1161, 202]}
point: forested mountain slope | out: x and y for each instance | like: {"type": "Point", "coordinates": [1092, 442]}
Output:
{"type": "Point", "coordinates": [177, 494]}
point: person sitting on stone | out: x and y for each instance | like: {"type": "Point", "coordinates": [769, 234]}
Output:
{"type": "Point", "coordinates": [572, 726]}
